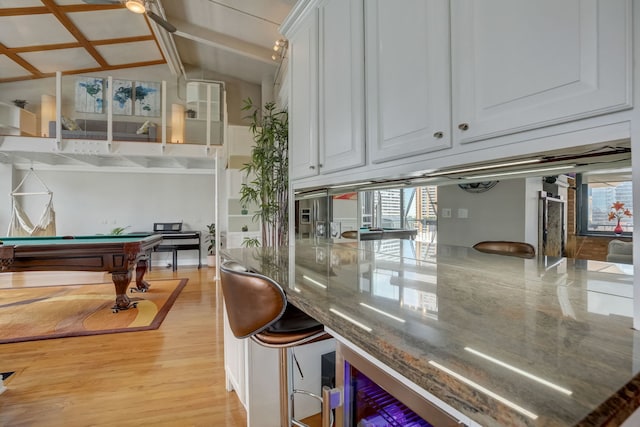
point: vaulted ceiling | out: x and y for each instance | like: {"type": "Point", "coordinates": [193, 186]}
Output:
{"type": "Point", "coordinates": [228, 37]}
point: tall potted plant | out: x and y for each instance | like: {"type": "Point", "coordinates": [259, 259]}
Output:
{"type": "Point", "coordinates": [268, 172]}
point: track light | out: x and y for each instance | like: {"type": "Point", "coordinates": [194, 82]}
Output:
{"type": "Point", "coordinates": [279, 48]}
{"type": "Point", "coordinates": [136, 6]}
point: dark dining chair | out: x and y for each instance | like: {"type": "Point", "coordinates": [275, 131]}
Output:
{"type": "Point", "coordinates": [257, 308]}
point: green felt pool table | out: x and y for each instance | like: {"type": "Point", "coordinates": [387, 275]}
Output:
{"type": "Point", "coordinates": [387, 233]}
{"type": "Point", "coordinates": [117, 255]}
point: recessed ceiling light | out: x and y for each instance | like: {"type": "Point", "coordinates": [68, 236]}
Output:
{"type": "Point", "coordinates": [136, 6]}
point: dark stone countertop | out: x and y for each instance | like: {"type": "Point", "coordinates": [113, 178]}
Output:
{"type": "Point", "coordinates": [553, 337]}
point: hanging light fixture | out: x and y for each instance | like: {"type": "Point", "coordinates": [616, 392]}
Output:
{"type": "Point", "coordinates": [136, 6]}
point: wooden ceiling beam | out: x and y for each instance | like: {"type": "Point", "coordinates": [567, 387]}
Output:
{"type": "Point", "coordinates": [17, 11]}
{"type": "Point", "coordinates": [85, 70]}
{"type": "Point", "coordinates": [44, 47]}
{"type": "Point", "coordinates": [20, 61]}
{"type": "Point", "coordinates": [71, 8]}
{"type": "Point", "coordinates": [123, 40]}
{"type": "Point", "coordinates": [72, 45]}
{"type": "Point", "coordinates": [75, 32]}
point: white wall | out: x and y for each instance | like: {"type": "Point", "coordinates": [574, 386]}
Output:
{"type": "Point", "coordinates": [88, 203]}
{"type": "Point", "coordinates": [505, 212]}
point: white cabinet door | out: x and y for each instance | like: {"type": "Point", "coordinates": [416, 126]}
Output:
{"type": "Point", "coordinates": [408, 77]}
{"type": "Point", "coordinates": [303, 100]}
{"type": "Point", "coordinates": [341, 78]}
{"type": "Point", "coordinates": [521, 64]}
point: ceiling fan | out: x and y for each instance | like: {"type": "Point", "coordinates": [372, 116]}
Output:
{"type": "Point", "coordinates": [139, 6]}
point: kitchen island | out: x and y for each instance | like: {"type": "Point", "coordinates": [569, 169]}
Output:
{"type": "Point", "coordinates": [504, 341]}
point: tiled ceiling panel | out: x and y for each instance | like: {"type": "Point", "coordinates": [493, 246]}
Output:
{"type": "Point", "coordinates": [50, 61]}
{"type": "Point", "coordinates": [23, 3]}
{"type": "Point", "coordinates": [9, 69]}
{"type": "Point", "coordinates": [18, 31]}
{"type": "Point", "coordinates": [126, 53]}
{"type": "Point", "coordinates": [100, 26]}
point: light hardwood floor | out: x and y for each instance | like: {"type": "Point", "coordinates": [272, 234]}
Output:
{"type": "Point", "coordinates": [172, 376]}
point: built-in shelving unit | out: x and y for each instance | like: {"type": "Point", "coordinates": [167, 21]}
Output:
{"type": "Point", "coordinates": [241, 223]}
{"type": "Point", "coordinates": [203, 121]}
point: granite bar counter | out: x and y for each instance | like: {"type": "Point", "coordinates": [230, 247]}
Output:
{"type": "Point", "coordinates": [505, 341]}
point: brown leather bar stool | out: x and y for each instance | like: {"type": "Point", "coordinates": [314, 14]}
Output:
{"type": "Point", "coordinates": [257, 308]}
{"type": "Point", "coordinates": [501, 247]}
{"type": "Point", "coordinates": [350, 234]}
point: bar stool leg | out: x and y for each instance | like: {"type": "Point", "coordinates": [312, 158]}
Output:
{"type": "Point", "coordinates": [285, 394]}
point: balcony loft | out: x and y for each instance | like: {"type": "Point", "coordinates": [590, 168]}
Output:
{"type": "Point", "coordinates": [123, 125]}
{"type": "Point", "coordinates": [124, 156]}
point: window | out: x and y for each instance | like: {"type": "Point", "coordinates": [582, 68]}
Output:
{"type": "Point", "coordinates": [596, 194]}
{"type": "Point", "coordinates": [407, 208]}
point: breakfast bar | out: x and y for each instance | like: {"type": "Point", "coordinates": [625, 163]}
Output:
{"type": "Point", "coordinates": [492, 339]}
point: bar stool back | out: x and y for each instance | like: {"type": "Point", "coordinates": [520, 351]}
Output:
{"type": "Point", "coordinates": [257, 308]}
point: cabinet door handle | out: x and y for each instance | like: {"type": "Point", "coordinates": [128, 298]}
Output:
{"type": "Point", "coordinates": [463, 126]}
{"type": "Point", "coordinates": [438, 135]}
{"type": "Point", "coordinates": [331, 399]}
{"type": "Point", "coordinates": [312, 167]}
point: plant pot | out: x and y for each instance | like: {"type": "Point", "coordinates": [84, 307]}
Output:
{"type": "Point", "coordinates": [211, 260]}
{"type": "Point", "coordinates": [21, 103]}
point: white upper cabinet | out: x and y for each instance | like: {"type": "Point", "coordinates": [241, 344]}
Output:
{"type": "Point", "coordinates": [341, 79]}
{"type": "Point", "coordinates": [407, 77]}
{"type": "Point", "coordinates": [521, 64]}
{"type": "Point", "coordinates": [303, 98]}
{"type": "Point", "coordinates": [326, 74]}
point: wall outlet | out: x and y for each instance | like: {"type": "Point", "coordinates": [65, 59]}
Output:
{"type": "Point", "coordinates": [463, 213]}
{"type": "Point", "coordinates": [446, 213]}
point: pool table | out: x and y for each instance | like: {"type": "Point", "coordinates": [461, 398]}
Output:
{"type": "Point", "coordinates": [117, 255]}
{"type": "Point", "coordinates": [387, 233]}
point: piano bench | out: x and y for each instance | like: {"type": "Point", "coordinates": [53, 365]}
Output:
{"type": "Point", "coordinates": [174, 248]}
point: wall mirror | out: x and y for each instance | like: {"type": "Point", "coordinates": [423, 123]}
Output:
{"type": "Point", "coordinates": [558, 201]}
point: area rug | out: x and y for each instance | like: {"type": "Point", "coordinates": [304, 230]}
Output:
{"type": "Point", "coordinates": [38, 313]}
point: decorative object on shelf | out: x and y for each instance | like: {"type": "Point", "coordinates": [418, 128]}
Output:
{"type": "Point", "coordinates": [618, 212]}
{"type": "Point", "coordinates": [244, 210]}
{"type": "Point", "coordinates": [268, 188]}
{"type": "Point", "coordinates": [245, 228]}
{"type": "Point", "coordinates": [89, 95]}
{"type": "Point", "coordinates": [20, 103]}
{"type": "Point", "coordinates": [478, 187]}
{"type": "Point", "coordinates": [211, 248]}
{"type": "Point", "coordinates": [191, 114]}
